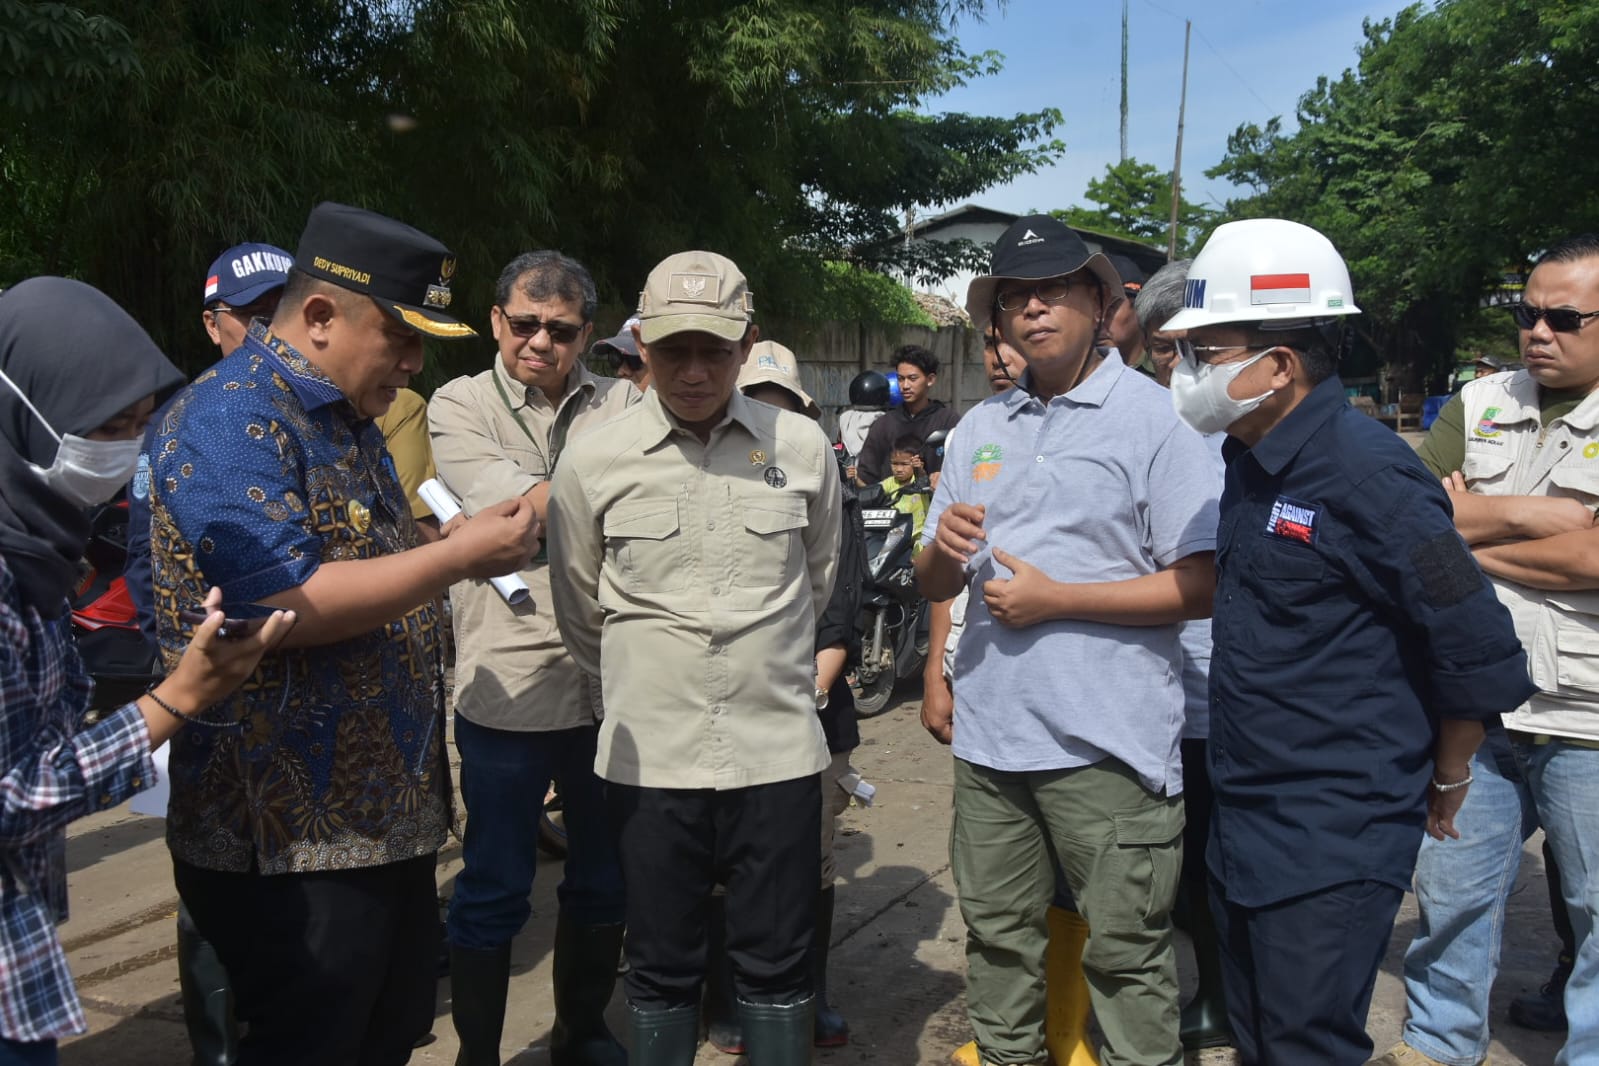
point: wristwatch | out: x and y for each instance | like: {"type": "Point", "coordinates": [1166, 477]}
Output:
{"type": "Point", "coordinates": [821, 699]}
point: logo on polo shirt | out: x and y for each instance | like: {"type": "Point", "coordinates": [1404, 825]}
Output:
{"type": "Point", "coordinates": [986, 462]}
{"type": "Point", "coordinates": [1485, 426]}
{"type": "Point", "coordinates": [1292, 520]}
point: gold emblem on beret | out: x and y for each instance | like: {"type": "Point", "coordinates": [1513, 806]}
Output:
{"type": "Point", "coordinates": [447, 268]}
{"type": "Point", "coordinates": [360, 517]}
{"type": "Point", "coordinates": [757, 458]}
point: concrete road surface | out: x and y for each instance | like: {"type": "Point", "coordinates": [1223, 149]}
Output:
{"type": "Point", "coordinates": [897, 967]}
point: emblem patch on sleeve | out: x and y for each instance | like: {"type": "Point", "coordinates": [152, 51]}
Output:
{"type": "Point", "coordinates": [1293, 520]}
{"type": "Point", "coordinates": [1446, 569]}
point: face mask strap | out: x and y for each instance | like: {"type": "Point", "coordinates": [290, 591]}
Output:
{"type": "Point", "coordinates": [29, 405]}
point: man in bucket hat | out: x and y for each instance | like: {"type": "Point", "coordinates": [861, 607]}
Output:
{"type": "Point", "coordinates": [305, 821]}
{"type": "Point", "coordinates": [1081, 515]}
{"type": "Point", "coordinates": [700, 532]}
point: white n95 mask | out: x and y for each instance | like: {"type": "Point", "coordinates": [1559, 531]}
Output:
{"type": "Point", "coordinates": [85, 472]}
{"type": "Point", "coordinates": [1199, 392]}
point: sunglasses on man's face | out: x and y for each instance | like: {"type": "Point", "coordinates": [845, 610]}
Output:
{"type": "Point", "coordinates": [525, 326]}
{"type": "Point", "coordinates": [1560, 319]}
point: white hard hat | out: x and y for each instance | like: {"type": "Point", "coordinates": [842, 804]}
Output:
{"type": "Point", "coordinates": [1266, 270]}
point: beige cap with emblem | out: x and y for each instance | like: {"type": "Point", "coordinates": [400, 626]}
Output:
{"type": "Point", "coordinates": [770, 363]}
{"type": "Point", "coordinates": [695, 292]}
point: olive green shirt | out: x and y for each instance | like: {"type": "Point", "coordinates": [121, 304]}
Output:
{"type": "Point", "coordinates": [1444, 449]}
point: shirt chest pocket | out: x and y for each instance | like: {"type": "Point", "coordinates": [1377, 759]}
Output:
{"type": "Point", "coordinates": [1290, 587]}
{"type": "Point", "coordinates": [1487, 472]}
{"type": "Point", "coordinates": [771, 549]}
{"type": "Point", "coordinates": [645, 540]}
{"type": "Point", "coordinates": [1578, 479]}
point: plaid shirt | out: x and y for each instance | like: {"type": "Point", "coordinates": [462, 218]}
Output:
{"type": "Point", "coordinates": [50, 773]}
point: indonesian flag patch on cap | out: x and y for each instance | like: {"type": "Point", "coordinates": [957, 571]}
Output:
{"type": "Point", "coordinates": [210, 286]}
{"type": "Point", "coordinates": [1279, 289]}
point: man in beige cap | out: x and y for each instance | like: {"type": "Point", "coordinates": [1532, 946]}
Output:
{"type": "Point", "coordinates": [700, 532]}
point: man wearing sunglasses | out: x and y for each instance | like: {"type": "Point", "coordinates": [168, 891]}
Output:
{"type": "Point", "coordinates": [1356, 647]}
{"type": "Point", "coordinates": [1080, 514]}
{"type": "Point", "coordinates": [523, 713]}
{"type": "Point", "coordinates": [622, 351]}
{"type": "Point", "coordinates": [1518, 450]}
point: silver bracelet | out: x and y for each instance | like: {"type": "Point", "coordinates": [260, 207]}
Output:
{"type": "Point", "coordinates": [1456, 787]}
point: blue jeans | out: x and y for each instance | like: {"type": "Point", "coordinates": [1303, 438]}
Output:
{"type": "Point", "coordinates": [1461, 886]}
{"type": "Point", "coordinates": [1564, 780]}
{"type": "Point", "coordinates": [1461, 889]}
{"type": "Point", "coordinates": [504, 777]}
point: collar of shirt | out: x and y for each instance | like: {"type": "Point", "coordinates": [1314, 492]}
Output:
{"type": "Point", "coordinates": [519, 395]}
{"type": "Point", "coordinates": [659, 423]}
{"type": "Point", "coordinates": [1283, 441]}
{"type": "Point", "coordinates": [1092, 391]}
{"type": "Point", "coordinates": [314, 388]}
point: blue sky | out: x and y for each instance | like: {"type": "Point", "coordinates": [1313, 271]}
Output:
{"type": "Point", "coordinates": [1250, 60]}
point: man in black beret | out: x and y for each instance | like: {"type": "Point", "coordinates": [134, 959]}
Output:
{"type": "Point", "coordinates": [305, 820]}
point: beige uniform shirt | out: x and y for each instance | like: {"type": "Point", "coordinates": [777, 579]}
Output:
{"type": "Point", "coordinates": [493, 440]}
{"type": "Point", "coordinates": [690, 577]}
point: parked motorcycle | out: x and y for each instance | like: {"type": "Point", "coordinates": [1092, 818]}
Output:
{"type": "Point", "coordinates": [894, 617]}
{"type": "Point", "coordinates": [105, 624]}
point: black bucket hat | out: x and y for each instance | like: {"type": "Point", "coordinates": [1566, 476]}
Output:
{"type": "Point", "coordinates": [1034, 248]}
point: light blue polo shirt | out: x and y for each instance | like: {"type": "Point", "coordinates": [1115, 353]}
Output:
{"type": "Point", "coordinates": [1104, 483]}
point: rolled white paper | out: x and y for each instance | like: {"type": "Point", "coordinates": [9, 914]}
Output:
{"type": "Point", "coordinates": [442, 502]}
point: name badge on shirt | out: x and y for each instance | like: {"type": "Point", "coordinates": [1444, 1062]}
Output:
{"type": "Point", "coordinates": [1292, 520]}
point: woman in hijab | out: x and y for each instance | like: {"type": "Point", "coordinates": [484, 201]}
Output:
{"type": "Point", "coordinates": [78, 382]}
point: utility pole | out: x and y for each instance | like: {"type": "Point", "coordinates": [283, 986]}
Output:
{"type": "Point", "coordinates": [1177, 165]}
{"type": "Point", "coordinates": [1124, 81]}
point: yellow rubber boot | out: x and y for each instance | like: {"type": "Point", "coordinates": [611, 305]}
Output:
{"type": "Point", "coordinates": [966, 1055]}
{"type": "Point", "coordinates": [1066, 1013]}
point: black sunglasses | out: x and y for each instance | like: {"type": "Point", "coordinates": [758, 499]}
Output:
{"type": "Point", "coordinates": [1560, 319]}
{"type": "Point", "coordinates": [525, 326]}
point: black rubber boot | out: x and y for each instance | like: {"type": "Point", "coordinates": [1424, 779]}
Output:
{"type": "Point", "coordinates": [831, 1030]}
{"type": "Point", "coordinates": [478, 981]}
{"type": "Point", "coordinates": [664, 1037]}
{"type": "Point", "coordinates": [207, 999]}
{"type": "Point", "coordinates": [585, 976]}
{"type": "Point", "coordinates": [1203, 1021]}
{"type": "Point", "coordinates": [718, 1002]}
{"type": "Point", "coordinates": [778, 1034]}
{"type": "Point", "coordinates": [1545, 1009]}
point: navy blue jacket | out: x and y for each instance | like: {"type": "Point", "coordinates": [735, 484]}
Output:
{"type": "Point", "coordinates": [1349, 617]}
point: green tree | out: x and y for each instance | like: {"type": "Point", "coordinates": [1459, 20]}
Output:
{"type": "Point", "coordinates": [1454, 150]}
{"type": "Point", "coordinates": [788, 134]}
{"type": "Point", "coordinates": [1135, 201]}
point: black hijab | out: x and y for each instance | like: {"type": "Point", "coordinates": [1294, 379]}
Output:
{"type": "Point", "coordinates": [81, 360]}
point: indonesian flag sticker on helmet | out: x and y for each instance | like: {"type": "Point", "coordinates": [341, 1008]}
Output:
{"type": "Point", "coordinates": [1266, 270]}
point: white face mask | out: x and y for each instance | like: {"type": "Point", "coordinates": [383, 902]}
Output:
{"type": "Point", "coordinates": [85, 472]}
{"type": "Point", "coordinates": [1199, 392]}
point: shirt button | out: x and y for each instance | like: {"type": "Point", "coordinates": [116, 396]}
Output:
{"type": "Point", "coordinates": [1039, 459]}
{"type": "Point", "coordinates": [716, 590]}
{"type": "Point", "coordinates": [710, 525]}
{"type": "Point", "coordinates": [137, 782]}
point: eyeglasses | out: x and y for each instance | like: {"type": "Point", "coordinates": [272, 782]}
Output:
{"type": "Point", "coordinates": [525, 326]}
{"type": "Point", "coordinates": [1560, 319]}
{"type": "Point", "coordinates": [1190, 351]}
{"type": "Point", "coordinates": [1049, 292]}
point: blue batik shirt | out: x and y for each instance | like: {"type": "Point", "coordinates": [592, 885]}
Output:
{"type": "Point", "coordinates": [261, 471]}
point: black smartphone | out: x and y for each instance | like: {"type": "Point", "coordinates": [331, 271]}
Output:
{"type": "Point", "coordinates": [239, 619]}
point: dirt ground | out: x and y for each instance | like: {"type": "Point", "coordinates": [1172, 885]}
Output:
{"type": "Point", "coordinates": [897, 965]}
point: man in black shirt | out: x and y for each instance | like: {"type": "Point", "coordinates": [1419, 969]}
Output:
{"type": "Point", "coordinates": [918, 417]}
